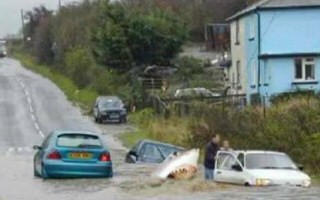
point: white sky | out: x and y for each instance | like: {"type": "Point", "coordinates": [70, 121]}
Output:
{"type": "Point", "coordinates": [10, 18]}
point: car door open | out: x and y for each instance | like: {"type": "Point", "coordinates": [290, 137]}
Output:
{"type": "Point", "coordinates": [228, 169]}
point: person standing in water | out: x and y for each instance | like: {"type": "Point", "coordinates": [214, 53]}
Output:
{"type": "Point", "coordinates": [210, 157]}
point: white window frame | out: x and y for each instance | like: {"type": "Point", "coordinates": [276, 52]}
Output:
{"type": "Point", "coordinates": [304, 63]}
{"type": "Point", "coordinates": [252, 28]}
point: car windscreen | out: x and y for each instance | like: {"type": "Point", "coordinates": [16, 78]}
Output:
{"type": "Point", "coordinates": [79, 141]}
{"type": "Point", "coordinates": [167, 150]}
{"type": "Point", "coordinates": [111, 103]}
{"type": "Point", "coordinates": [269, 161]}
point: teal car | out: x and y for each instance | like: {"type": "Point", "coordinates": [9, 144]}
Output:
{"type": "Point", "coordinates": [72, 154]}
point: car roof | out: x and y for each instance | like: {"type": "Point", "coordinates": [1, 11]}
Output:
{"type": "Point", "coordinates": [159, 143]}
{"type": "Point", "coordinates": [62, 132]}
{"type": "Point", "coordinates": [257, 152]}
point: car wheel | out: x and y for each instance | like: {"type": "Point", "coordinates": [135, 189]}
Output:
{"type": "Point", "coordinates": [99, 120]}
{"type": "Point", "coordinates": [35, 173]}
{"type": "Point", "coordinates": [123, 120]}
{"type": "Point", "coordinates": [44, 174]}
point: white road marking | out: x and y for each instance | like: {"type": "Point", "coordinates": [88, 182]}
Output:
{"type": "Point", "coordinates": [31, 109]}
{"type": "Point", "coordinates": [29, 100]}
{"type": "Point", "coordinates": [37, 126]}
{"type": "Point", "coordinates": [33, 117]}
{"type": "Point", "coordinates": [12, 150]}
{"type": "Point", "coordinates": [32, 113]}
{"type": "Point", "coordinates": [26, 92]}
{"type": "Point", "coordinates": [41, 133]}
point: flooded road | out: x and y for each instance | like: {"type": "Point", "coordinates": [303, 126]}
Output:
{"type": "Point", "coordinates": [31, 107]}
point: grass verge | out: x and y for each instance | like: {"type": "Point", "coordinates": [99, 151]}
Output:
{"type": "Point", "coordinates": [84, 98]}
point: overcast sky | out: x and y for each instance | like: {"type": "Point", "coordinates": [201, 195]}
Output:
{"type": "Point", "coordinates": [10, 18]}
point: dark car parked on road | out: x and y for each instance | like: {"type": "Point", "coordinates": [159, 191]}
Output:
{"type": "Point", "coordinates": [109, 108]}
{"type": "Point", "coordinates": [147, 151]}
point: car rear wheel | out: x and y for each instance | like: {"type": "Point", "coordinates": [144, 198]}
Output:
{"type": "Point", "coordinates": [44, 174]}
{"type": "Point", "coordinates": [35, 173]}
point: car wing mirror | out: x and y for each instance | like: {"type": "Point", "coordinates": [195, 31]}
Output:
{"type": "Point", "coordinates": [36, 147]}
{"type": "Point", "coordinates": [134, 154]}
{"type": "Point", "coordinates": [237, 168]}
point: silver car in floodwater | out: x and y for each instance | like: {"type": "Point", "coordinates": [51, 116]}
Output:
{"type": "Point", "coordinates": [259, 168]}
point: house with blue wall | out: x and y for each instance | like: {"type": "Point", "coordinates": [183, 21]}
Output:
{"type": "Point", "coordinates": [275, 48]}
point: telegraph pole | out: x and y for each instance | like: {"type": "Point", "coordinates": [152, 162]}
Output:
{"type": "Point", "coordinates": [23, 31]}
{"type": "Point", "coordinates": [59, 4]}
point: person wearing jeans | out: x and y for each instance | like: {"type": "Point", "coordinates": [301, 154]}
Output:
{"type": "Point", "coordinates": [210, 156]}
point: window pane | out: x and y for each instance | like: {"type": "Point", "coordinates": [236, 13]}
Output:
{"type": "Point", "coordinates": [309, 72]}
{"type": "Point", "coordinates": [167, 150]}
{"type": "Point", "coordinates": [298, 69]}
{"type": "Point", "coordinates": [221, 160]}
{"type": "Point", "coordinates": [152, 152]}
{"type": "Point", "coordinates": [241, 158]}
{"type": "Point", "coordinates": [309, 59]}
{"type": "Point", "coordinates": [229, 162]}
{"type": "Point", "coordinates": [237, 31]}
{"type": "Point", "coordinates": [254, 72]}
{"type": "Point", "coordinates": [75, 140]}
{"type": "Point", "coordinates": [238, 72]}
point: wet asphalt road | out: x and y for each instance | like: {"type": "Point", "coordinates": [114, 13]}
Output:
{"type": "Point", "coordinates": [32, 106]}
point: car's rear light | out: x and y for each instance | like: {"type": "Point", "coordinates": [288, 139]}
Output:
{"type": "Point", "coordinates": [105, 157]}
{"type": "Point", "coordinates": [54, 155]}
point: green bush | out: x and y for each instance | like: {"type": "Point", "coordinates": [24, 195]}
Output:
{"type": "Point", "coordinates": [79, 67]}
{"type": "Point", "coordinates": [143, 117]}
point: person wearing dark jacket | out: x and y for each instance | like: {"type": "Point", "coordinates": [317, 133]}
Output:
{"type": "Point", "coordinates": [210, 156]}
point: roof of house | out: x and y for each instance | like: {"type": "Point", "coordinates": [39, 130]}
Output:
{"type": "Point", "coordinates": [268, 4]}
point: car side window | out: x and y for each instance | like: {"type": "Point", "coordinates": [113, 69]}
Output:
{"type": "Point", "coordinates": [151, 151]}
{"type": "Point", "coordinates": [222, 157]}
{"type": "Point", "coordinates": [46, 141]}
{"type": "Point", "coordinates": [241, 159]}
{"type": "Point", "coordinates": [230, 161]}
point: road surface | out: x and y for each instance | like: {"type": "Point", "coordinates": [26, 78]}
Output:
{"type": "Point", "coordinates": [31, 106]}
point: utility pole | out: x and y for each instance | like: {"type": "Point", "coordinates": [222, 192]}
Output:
{"type": "Point", "coordinates": [23, 31]}
{"type": "Point", "coordinates": [59, 4]}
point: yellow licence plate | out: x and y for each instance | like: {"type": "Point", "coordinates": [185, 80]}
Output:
{"type": "Point", "coordinates": [80, 155]}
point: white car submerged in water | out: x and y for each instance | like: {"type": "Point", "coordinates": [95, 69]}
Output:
{"type": "Point", "coordinates": [258, 168]}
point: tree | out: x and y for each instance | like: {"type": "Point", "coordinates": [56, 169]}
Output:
{"type": "Point", "coordinates": [34, 18]}
{"type": "Point", "coordinates": [128, 37]}
{"type": "Point", "coordinates": [78, 64]}
{"type": "Point", "coordinates": [38, 29]}
{"type": "Point", "coordinates": [195, 12]}
{"type": "Point", "coordinates": [43, 42]}
{"type": "Point", "coordinates": [72, 27]}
